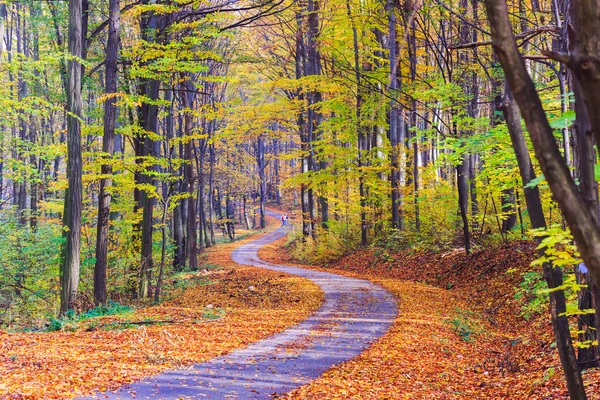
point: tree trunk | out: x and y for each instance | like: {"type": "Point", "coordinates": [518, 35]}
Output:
{"type": "Point", "coordinates": [276, 160]}
{"type": "Point", "coordinates": [394, 114]}
{"type": "Point", "coordinates": [163, 252]}
{"type": "Point", "coordinates": [305, 163]}
{"type": "Point", "coordinates": [508, 206]}
{"type": "Point", "coordinates": [412, 55]}
{"type": "Point", "coordinates": [589, 297]}
{"type": "Point", "coordinates": [260, 161]}
{"type": "Point", "coordinates": [151, 25]}
{"type": "Point", "coordinates": [578, 217]}
{"type": "Point", "coordinates": [462, 182]}
{"type": "Point", "coordinates": [583, 59]}
{"type": "Point", "coordinates": [191, 178]}
{"type": "Point", "coordinates": [230, 211]}
{"type": "Point", "coordinates": [552, 276]}
{"type": "Point", "coordinates": [362, 145]}
{"type": "Point", "coordinates": [211, 202]}
{"type": "Point", "coordinates": [72, 208]}
{"type": "Point", "coordinates": [108, 145]}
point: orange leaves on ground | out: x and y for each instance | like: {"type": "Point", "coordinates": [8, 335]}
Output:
{"type": "Point", "coordinates": [459, 336]}
{"type": "Point", "coordinates": [68, 364]}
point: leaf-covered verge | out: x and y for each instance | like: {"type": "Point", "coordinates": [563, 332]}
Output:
{"type": "Point", "coordinates": [460, 334]}
{"type": "Point", "coordinates": [217, 314]}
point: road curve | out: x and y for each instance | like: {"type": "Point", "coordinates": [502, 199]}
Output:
{"type": "Point", "coordinates": [355, 313]}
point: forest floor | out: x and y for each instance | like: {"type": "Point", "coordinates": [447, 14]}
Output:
{"type": "Point", "coordinates": [214, 312]}
{"type": "Point", "coordinates": [459, 333]}
{"type": "Point", "coordinates": [354, 314]}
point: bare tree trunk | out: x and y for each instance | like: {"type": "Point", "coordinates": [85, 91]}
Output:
{"type": "Point", "coordinates": [508, 206]}
{"type": "Point", "coordinates": [191, 177]}
{"type": "Point", "coordinates": [72, 208]}
{"type": "Point", "coordinates": [276, 172]}
{"type": "Point", "coordinates": [22, 48]}
{"type": "Point", "coordinates": [312, 120]}
{"type": "Point", "coordinates": [179, 239]}
{"type": "Point", "coordinates": [583, 58]}
{"type": "Point", "coordinates": [201, 200]}
{"type": "Point", "coordinates": [553, 276]}
{"type": "Point", "coordinates": [463, 193]}
{"type": "Point", "coordinates": [394, 116]}
{"type": "Point", "coordinates": [260, 163]}
{"type": "Point", "coordinates": [33, 158]}
{"type": "Point", "coordinates": [211, 201]}
{"type": "Point", "coordinates": [151, 26]}
{"type": "Point", "coordinates": [230, 224]}
{"type": "Point", "coordinates": [163, 252]}
{"type": "Point", "coordinates": [108, 146]}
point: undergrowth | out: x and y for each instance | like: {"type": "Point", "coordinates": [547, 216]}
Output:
{"type": "Point", "coordinates": [70, 321]}
{"type": "Point", "coordinates": [466, 325]}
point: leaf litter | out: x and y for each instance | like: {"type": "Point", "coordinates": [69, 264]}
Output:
{"type": "Point", "coordinates": [201, 322]}
{"type": "Point", "coordinates": [459, 333]}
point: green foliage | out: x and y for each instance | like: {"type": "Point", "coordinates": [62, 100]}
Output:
{"type": "Point", "coordinates": [391, 240]}
{"type": "Point", "coordinates": [112, 308]}
{"type": "Point", "coordinates": [465, 325]}
{"type": "Point", "coordinates": [531, 294]}
{"type": "Point", "coordinates": [559, 248]}
{"type": "Point", "coordinates": [29, 265]}
{"type": "Point", "coordinates": [213, 313]}
{"type": "Point", "coordinates": [327, 248]}
{"type": "Point", "coordinates": [70, 321]}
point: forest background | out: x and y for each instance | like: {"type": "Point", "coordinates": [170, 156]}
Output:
{"type": "Point", "coordinates": [134, 135]}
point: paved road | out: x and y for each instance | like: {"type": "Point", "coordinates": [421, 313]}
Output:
{"type": "Point", "coordinates": [355, 313]}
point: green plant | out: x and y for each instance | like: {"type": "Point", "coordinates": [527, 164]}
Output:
{"type": "Point", "coordinates": [112, 308]}
{"type": "Point", "coordinates": [213, 313]}
{"type": "Point", "coordinates": [382, 255]}
{"type": "Point", "coordinates": [465, 325]}
{"type": "Point", "coordinates": [530, 294]}
{"type": "Point", "coordinates": [70, 321]}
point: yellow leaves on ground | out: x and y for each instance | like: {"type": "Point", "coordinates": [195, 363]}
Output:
{"type": "Point", "coordinates": [443, 345]}
{"type": "Point", "coordinates": [68, 364]}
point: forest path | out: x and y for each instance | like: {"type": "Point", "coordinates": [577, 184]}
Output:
{"type": "Point", "coordinates": [354, 314]}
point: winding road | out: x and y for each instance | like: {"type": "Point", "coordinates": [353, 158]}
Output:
{"type": "Point", "coordinates": [354, 314]}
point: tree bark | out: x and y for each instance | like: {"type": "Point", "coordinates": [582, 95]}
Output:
{"type": "Point", "coordinates": [191, 178]}
{"type": "Point", "coordinates": [556, 172]}
{"type": "Point", "coordinates": [462, 182]}
{"type": "Point", "coordinates": [260, 161]}
{"type": "Point", "coordinates": [362, 139]}
{"type": "Point", "coordinates": [108, 146]}
{"type": "Point", "coordinates": [72, 207]}
{"type": "Point", "coordinates": [394, 115]}
{"type": "Point", "coordinates": [584, 57]}
{"type": "Point", "coordinates": [151, 24]}
{"type": "Point", "coordinates": [588, 187]}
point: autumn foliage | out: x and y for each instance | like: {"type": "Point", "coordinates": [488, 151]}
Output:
{"type": "Point", "coordinates": [216, 313]}
{"type": "Point", "coordinates": [459, 334]}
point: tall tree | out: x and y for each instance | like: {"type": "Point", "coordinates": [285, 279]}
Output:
{"type": "Point", "coordinates": [108, 146]}
{"type": "Point", "coordinates": [577, 215]}
{"type": "Point", "coordinates": [72, 208]}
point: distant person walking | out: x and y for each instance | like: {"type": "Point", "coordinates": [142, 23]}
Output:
{"type": "Point", "coordinates": [285, 219]}
{"type": "Point", "coordinates": [282, 219]}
